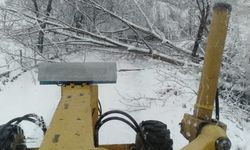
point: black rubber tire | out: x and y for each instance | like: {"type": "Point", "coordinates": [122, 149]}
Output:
{"type": "Point", "coordinates": [12, 138]}
{"type": "Point", "coordinates": [156, 136]}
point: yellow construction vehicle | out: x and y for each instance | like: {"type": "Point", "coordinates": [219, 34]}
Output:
{"type": "Point", "coordinates": [77, 119]}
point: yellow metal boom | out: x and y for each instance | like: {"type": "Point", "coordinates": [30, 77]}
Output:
{"type": "Point", "coordinates": [211, 68]}
{"type": "Point", "coordinates": [200, 129]}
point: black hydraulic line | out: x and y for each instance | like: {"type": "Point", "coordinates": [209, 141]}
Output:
{"type": "Point", "coordinates": [96, 135]}
{"type": "Point", "coordinates": [120, 119]}
{"type": "Point", "coordinates": [117, 118]}
{"type": "Point", "coordinates": [118, 112]}
{"type": "Point", "coordinates": [20, 119]}
{"type": "Point", "coordinates": [40, 124]}
{"type": "Point", "coordinates": [16, 121]}
{"type": "Point", "coordinates": [31, 118]}
{"type": "Point", "coordinates": [100, 107]}
{"type": "Point", "coordinates": [122, 113]}
{"type": "Point", "coordinates": [5, 126]}
{"type": "Point", "coordinates": [43, 125]}
{"type": "Point", "coordinates": [217, 105]}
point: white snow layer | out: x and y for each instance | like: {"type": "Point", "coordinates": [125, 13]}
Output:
{"type": "Point", "coordinates": [158, 92]}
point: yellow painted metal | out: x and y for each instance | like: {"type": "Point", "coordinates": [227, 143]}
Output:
{"type": "Point", "coordinates": [88, 149]}
{"type": "Point", "coordinates": [94, 103]}
{"type": "Point", "coordinates": [72, 125]}
{"type": "Point", "coordinates": [107, 147]}
{"type": "Point", "coordinates": [208, 85]}
{"type": "Point", "coordinates": [119, 146]}
{"type": "Point", "coordinates": [206, 139]}
{"type": "Point", "coordinates": [191, 125]}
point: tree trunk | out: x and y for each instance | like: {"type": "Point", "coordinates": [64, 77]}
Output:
{"type": "Point", "coordinates": [40, 41]}
{"type": "Point", "coordinates": [198, 39]}
{"type": "Point", "coordinates": [41, 23]}
{"type": "Point", "coordinates": [204, 8]}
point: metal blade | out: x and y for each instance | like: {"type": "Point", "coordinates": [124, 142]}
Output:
{"type": "Point", "coordinates": [77, 73]}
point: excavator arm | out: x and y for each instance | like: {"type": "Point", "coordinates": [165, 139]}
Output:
{"type": "Point", "coordinates": [200, 129]}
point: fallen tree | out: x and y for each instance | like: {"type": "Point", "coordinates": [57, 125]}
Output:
{"type": "Point", "coordinates": [81, 36]}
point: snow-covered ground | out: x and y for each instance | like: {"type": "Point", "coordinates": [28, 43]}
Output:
{"type": "Point", "coordinates": [2, 2]}
{"type": "Point", "coordinates": [159, 91]}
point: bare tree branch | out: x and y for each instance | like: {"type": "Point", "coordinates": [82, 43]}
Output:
{"type": "Point", "coordinates": [160, 37]}
{"type": "Point", "coordinates": [36, 8]}
{"type": "Point", "coordinates": [204, 12]}
{"type": "Point", "coordinates": [41, 23]}
{"type": "Point", "coordinates": [150, 25]}
{"type": "Point", "coordinates": [63, 28]}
